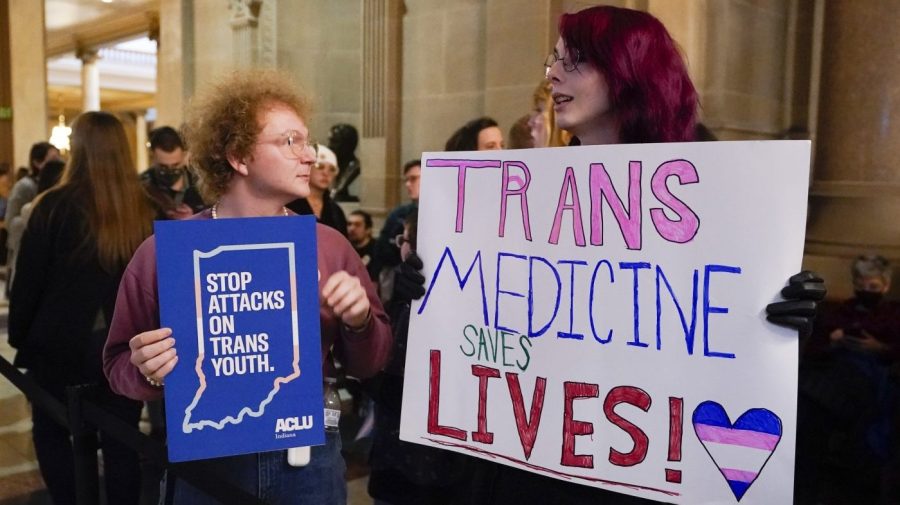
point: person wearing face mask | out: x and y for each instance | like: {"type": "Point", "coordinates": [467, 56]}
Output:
{"type": "Point", "coordinates": [867, 323]}
{"type": "Point", "coordinates": [168, 181]}
{"type": "Point", "coordinates": [847, 394]}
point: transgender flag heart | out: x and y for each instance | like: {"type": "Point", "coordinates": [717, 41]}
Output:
{"type": "Point", "coordinates": [739, 450]}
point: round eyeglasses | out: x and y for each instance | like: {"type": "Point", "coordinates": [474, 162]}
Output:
{"type": "Point", "coordinates": [293, 144]}
{"type": "Point", "coordinates": [570, 61]}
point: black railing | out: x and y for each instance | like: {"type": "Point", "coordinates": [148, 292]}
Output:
{"type": "Point", "coordinates": [84, 419]}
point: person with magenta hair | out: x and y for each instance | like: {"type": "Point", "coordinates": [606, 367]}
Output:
{"type": "Point", "coordinates": [617, 77]}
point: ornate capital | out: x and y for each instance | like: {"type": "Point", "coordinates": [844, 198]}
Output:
{"type": "Point", "coordinates": [153, 27]}
{"type": "Point", "coordinates": [87, 55]}
{"type": "Point", "coordinates": [244, 13]}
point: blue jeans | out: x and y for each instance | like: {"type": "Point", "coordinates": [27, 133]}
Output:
{"type": "Point", "coordinates": [268, 476]}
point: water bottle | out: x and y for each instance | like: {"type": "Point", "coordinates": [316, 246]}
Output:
{"type": "Point", "coordinates": [332, 405]}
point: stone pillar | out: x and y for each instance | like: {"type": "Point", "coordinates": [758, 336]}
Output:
{"type": "Point", "coordinates": [90, 79]}
{"type": "Point", "coordinates": [855, 197]}
{"type": "Point", "coordinates": [28, 75]}
{"type": "Point", "coordinates": [140, 141]}
{"type": "Point", "coordinates": [525, 38]}
{"type": "Point", "coordinates": [6, 132]}
{"type": "Point", "coordinates": [244, 25]}
{"type": "Point", "coordinates": [381, 97]}
{"type": "Point", "coordinates": [174, 60]}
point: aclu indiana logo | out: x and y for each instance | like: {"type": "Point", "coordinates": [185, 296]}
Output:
{"type": "Point", "coordinates": [286, 426]}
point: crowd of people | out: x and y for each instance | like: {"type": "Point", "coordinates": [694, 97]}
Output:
{"type": "Point", "coordinates": [84, 303]}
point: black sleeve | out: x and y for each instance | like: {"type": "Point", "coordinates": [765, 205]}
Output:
{"type": "Point", "coordinates": [32, 267]}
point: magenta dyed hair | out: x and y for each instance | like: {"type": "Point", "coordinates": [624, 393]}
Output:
{"type": "Point", "coordinates": [649, 87]}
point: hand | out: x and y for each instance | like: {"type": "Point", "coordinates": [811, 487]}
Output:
{"type": "Point", "coordinates": [803, 293]}
{"type": "Point", "coordinates": [868, 343]}
{"type": "Point", "coordinates": [409, 283]}
{"type": "Point", "coordinates": [345, 296]}
{"type": "Point", "coordinates": [837, 335]}
{"type": "Point", "coordinates": [153, 353]}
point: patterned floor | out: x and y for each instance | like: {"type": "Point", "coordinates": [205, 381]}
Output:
{"type": "Point", "coordinates": [20, 480]}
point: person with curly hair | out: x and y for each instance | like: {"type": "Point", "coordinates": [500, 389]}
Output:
{"type": "Point", "coordinates": [250, 143]}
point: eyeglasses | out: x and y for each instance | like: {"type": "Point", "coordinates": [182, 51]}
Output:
{"type": "Point", "coordinates": [570, 61]}
{"type": "Point", "coordinates": [293, 145]}
{"type": "Point", "coordinates": [399, 240]}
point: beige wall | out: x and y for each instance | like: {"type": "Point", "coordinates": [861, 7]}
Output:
{"type": "Point", "coordinates": [212, 45]}
{"type": "Point", "coordinates": [175, 58]}
{"type": "Point", "coordinates": [320, 43]}
{"type": "Point", "coordinates": [29, 77]}
{"type": "Point", "coordinates": [443, 71]}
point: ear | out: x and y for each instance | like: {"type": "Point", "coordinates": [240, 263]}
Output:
{"type": "Point", "coordinates": [237, 164]}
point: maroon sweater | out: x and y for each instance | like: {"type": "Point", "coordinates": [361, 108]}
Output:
{"type": "Point", "coordinates": [363, 353]}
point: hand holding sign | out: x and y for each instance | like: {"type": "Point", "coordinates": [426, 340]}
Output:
{"type": "Point", "coordinates": [344, 295]}
{"type": "Point", "coordinates": [153, 353]}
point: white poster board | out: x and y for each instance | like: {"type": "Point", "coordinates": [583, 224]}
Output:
{"type": "Point", "coordinates": [597, 314]}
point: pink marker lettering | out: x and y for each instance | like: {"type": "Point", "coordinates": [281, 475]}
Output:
{"type": "Point", "coordinates": [602, 189]}
{"type": "Point", "coordinates": [569, 186]}
{"type": "Point", "coordinates": [462, 166]}
{"type": "Point", "coordinates": [523, 182]}
{"type": "Point", "coordinates": [685, 227]}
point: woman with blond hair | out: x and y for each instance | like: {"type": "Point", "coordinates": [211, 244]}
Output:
{"type": "Point", "coordinates": [542, 119]}
{"type": "Point", "coordinates": [79, 238]}
{"type": "Point", "coordinates": [250, 142]}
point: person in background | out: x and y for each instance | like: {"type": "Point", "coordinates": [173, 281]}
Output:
{"type": "Point", "coordinates": [387, 254]}
{"type": "Point", "coordinates": [359, 231]}
{"type": "Point", "coordinates": [249, 139]}
{"type": "Point", "coordinates": [21, 173]}
{"type": "Point", "coordinates": [404, 473]}
{"type": "Point", "coordinates": [520, 134]}
{"type": "Point", "coordinates": [5, 187]}
{"type": "Point", "coordinates": [848, 397]}
{"type": "Point", "coordinates": [81, 234]}
{"type": "Point", "coordinates": [169, 181]}
{"type": "Point", "coordinates": [542, 119]}
{"type": "Point", "coordinates": [24, 191]}
{"type": "Point", "coordinates": [319, 202]}
{"type": "Point", "coordinates": [480, 134]}
{"type": "Point", "coordinates": [50, 176]}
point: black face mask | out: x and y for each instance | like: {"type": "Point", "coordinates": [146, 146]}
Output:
{"type": "Point", "coordinates": [869, 299]}
{"type": "Point", "coordinates": [167, 176]}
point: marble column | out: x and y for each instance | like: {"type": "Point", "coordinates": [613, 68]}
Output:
{"type": "Point", "coordinates": [6, 134]}
{"type": "Point", "coordinates": [381, 97]}
{"type": "Point", "coordinates": [244, 25]}
{"type": "Point", "coordinates": [90, 79]}
{"type": "Point", "coordinates": [855, 196]}
{"type": "Point", "coordinates": [140, 141]}
{"type": "Point", "coordinates": [28, 76]}
{"type": "Point", "coordinates": [174, 61]}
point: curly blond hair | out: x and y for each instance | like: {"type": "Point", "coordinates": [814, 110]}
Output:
{"type": "Point", "coordinates": [225, 120]}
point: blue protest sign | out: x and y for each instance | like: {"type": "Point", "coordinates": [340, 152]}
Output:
{"type": "Point", "coordinates": [241, 297]}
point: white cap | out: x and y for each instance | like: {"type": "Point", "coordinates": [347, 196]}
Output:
{"type": "Point", "coordinates": [326, 155]}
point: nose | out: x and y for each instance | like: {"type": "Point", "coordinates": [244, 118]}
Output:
{"type": "Point", "coordinates": [552, 73]}
{"type": "Point", "coordinates": [309, 156]}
